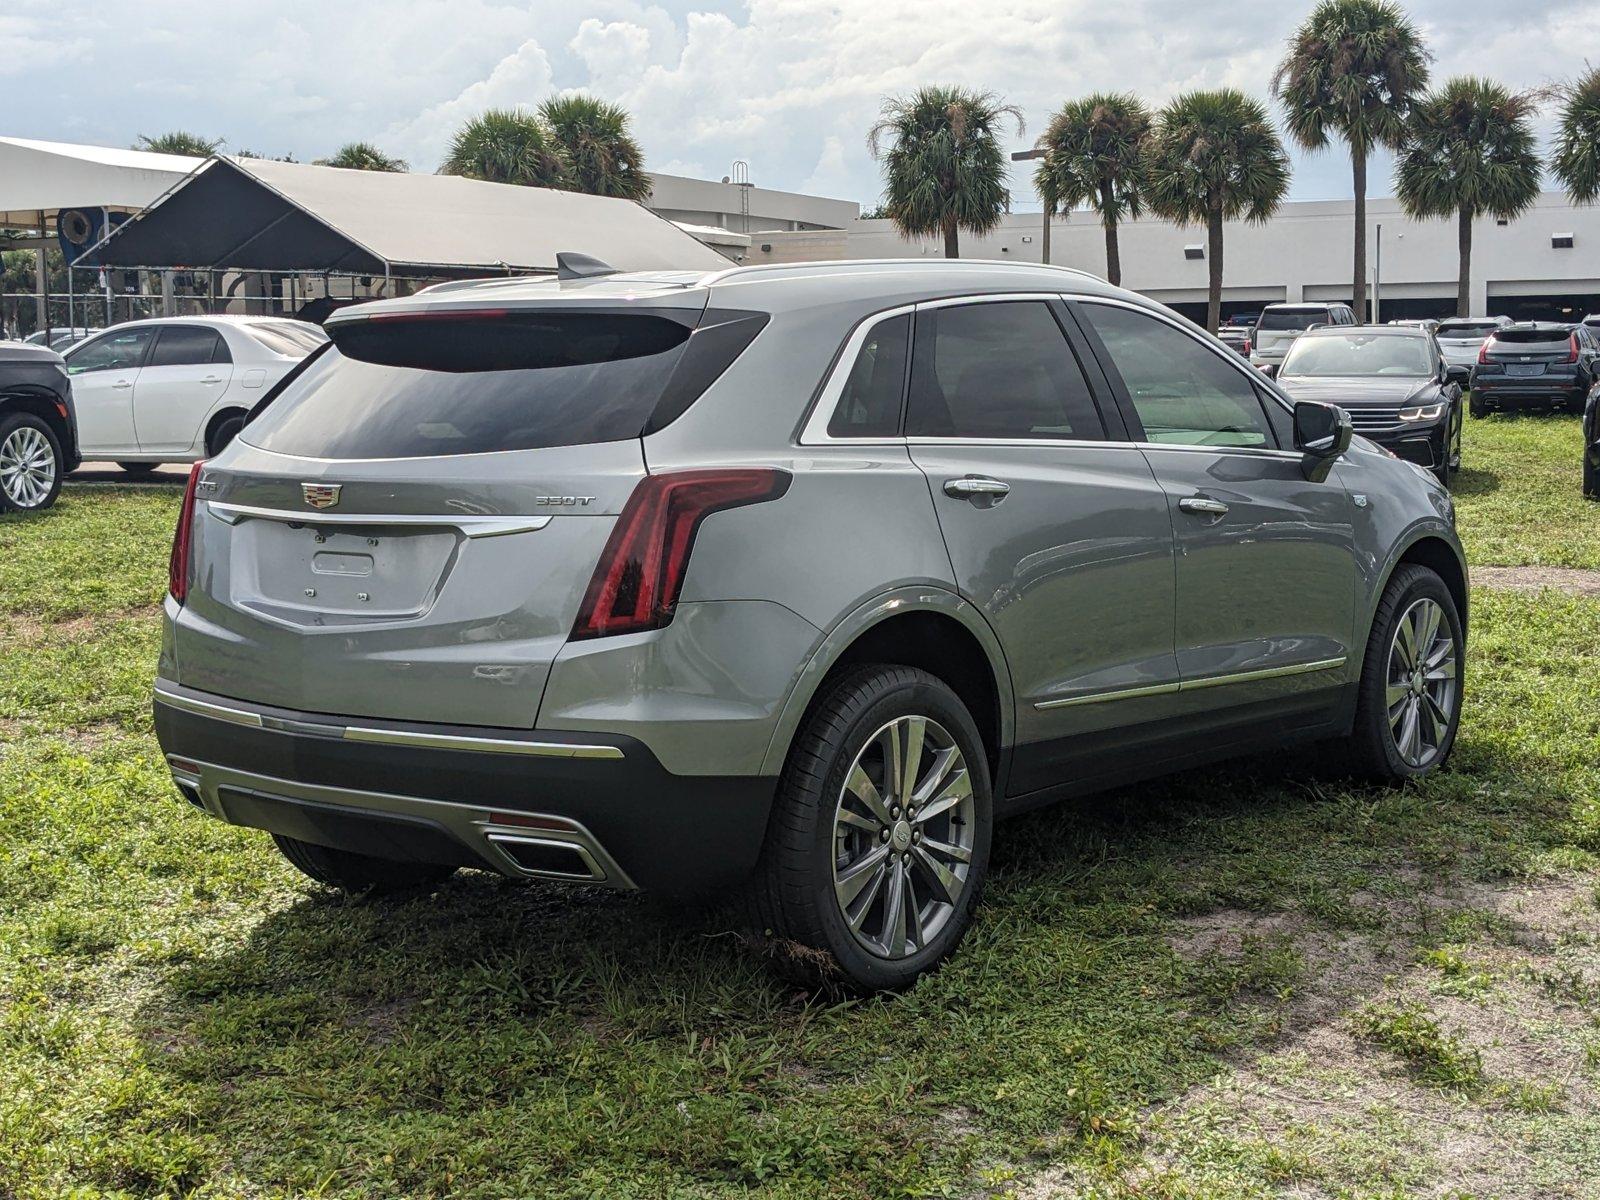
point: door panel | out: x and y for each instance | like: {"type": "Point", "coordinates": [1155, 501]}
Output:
{"type": "Point", "coordinates": [183, 380]}
{"type": "Point", "coordinates": [104, 371]}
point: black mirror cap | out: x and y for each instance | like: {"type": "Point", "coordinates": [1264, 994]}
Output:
{"type": "Point", "coordinates": [1321, 431]}
{"type": "Point", "coordinates": [1456, 373]}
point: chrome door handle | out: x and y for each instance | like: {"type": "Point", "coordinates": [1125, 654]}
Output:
{"type": "Point", "coordinates": [1204, 505]}
{"type": "Point", "coordinates": [212, 379]}
{"type": "Point", "coordinates": [122, 383]}
{"type": "Point", "coordinates": [975, 485]}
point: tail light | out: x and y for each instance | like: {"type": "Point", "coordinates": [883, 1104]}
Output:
{"type": "Point", "coordinates": [1483, 350]}
{"type": "Point", "coordinates": [640, 574]}
{"type": "Point", "coordinates": [1247, 346]}
{"type": "Point", "coordinates": [182, 537]}
{"type": "Point", "coordinates": [1572, 351]}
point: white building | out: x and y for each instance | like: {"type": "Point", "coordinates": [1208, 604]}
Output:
{"type": "Point", "coordinates": [1545, 264]}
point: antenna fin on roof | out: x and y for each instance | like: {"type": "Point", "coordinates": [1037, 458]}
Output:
{"type": "Point", "coordinates": [572, 265]}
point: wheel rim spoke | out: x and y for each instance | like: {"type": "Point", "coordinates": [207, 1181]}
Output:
{"type": "Point", "coordinates": [27, 467]}
{"type": "Point", "coordinates": [903, 835]}
{"type": "Point", "coordinates": [1421, 691]}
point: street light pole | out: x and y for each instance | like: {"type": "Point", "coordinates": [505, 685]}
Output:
{"type": "Point", "coordinates": [1377, 275]}
{"type": "Point", "coordinates": [1044, 248]}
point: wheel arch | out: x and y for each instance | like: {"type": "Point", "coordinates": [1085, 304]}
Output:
{"type": "Point", "coordinates": [47, 406]}
{"type": "Point", "coordinates": [930, 628]}
{"type": "Point", "coordinates": [226, 410]}
{"type": "Point", "coordinates": [1440, 557]}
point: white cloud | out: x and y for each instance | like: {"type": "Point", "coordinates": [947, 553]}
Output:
{"type": "Point", "coordinates": [789, 85]}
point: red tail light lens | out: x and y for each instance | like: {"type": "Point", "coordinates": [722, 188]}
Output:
{"type": "Point", "coordinates": [640, 574]}
{"type": "Point", "coordinates": [1572, 351]}
{"type": "Point", "coordinates": [1483, 350]}
{"type": "Point", "coordinates": [178, 562]}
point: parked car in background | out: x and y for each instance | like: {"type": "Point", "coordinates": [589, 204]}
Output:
{"type": "Point", "coordinates": [1235, 338]}
{"type": "Point", "coordinates": [1592, 323]}
{"type": "Point", "coordinates": [1393, 382]}
{"type": "Point", "coordinates": [1244, 320]}
{"type": "Point", "coordinates": [1427, 323]}
{"type": "Point", "coordinates": [58, 338]}
{"type": "Point", "coordinates": [1460, 339]}
{"type": "Point", "coordinates": [1280, 324]}
{"type": "Point", "coordinates": [547, 579]}
{"type": "Point", "coordinates": [38, 441]}
{"type": "Point", "coordinates": [1535, 364]}
{"type": "Point", "coordinates": [178, 389]}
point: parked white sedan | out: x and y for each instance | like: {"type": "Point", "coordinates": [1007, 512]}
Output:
{"type": "Point", "coordinates": [177, 389]}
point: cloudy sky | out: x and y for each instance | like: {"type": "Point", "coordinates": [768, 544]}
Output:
{"type": "Point", "coordinates": [791, 86]}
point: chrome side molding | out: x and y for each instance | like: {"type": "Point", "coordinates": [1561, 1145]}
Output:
{"type": "Point", "coordinates": [1194, 685]}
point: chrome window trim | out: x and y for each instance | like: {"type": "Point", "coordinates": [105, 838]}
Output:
{"type": "Point", "coordinates": [472, 526]}
{"type": "Point", "coordinates": [815, 431]}
{"type": "Point", "coordinates": [1195, 685]}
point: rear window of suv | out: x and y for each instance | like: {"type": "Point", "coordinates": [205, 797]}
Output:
{"type": "Point", "coordinates": [1304, 319]}
{"type": "Point", "coordinates": [419, 386]}
{"type": "Point", "coordinates": [1466, 329]}
{"type": "Point", "coordinates": [1526, 336]}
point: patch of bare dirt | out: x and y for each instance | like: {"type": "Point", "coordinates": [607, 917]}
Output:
{"type": "Point", "coordinates": [1575, 581]}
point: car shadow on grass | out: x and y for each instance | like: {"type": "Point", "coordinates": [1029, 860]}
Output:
{"type": "Point", "coordinates": [590, 1042]}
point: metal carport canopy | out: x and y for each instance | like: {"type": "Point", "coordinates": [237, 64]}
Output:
{"type": "Point", "coordinates": [259, 215]}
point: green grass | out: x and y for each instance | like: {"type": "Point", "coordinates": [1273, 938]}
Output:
{"type": "Point", "coordinates": [182, 1014]}
{"type": "Point", "coordinates": [1520, 493]}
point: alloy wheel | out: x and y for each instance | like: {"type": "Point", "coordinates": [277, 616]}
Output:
{"type": "Point", "coordinates": [903, 833]}
{"type": "Point", "coordinates": [1422, 683]}
{"type": "Point", "coordinates": [27, 467]}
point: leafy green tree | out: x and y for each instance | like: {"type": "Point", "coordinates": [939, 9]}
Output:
{"type": "Point", "coordinates": [1094, 155]}
{"type": "Point", "coordinates": [266, 157]}
{"type": "Point", "coordinates": [944, 167]}
{"type": "Point", "coordinates": [1576, 157]}
{"type": "Point", "coordinates": [1353, 70]}
{"type": "Point", "coordinates": [180, 142]}
{"type": "Point", "coordinates": [1471, 152]}
{"type": "Point", "coordinates": [1214, 157]}
{"type": "Point", "coordinates": [362, 156]}
{"type": "Point", "coordinates": [602, 156]}
{"type": "Point", "coordinates": [505, 145]}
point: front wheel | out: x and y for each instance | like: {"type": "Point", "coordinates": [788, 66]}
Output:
{"type": "Point", "coordinates": [879, 839]}
{"type": "Point", "coordinates": [30, 463]}
{"type": "Point", "coordinates": [1409, 704]}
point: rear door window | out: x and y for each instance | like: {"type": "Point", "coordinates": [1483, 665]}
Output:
{"type": "Point", "coordinates": [997, 370]}
{"type": "Point", "coordinates": [419, 386]}
{"type": "Point", "coordinates": [186, 345]}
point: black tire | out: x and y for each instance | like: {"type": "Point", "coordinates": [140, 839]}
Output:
{"type": "Point", "coordinates": [1476, 408]}
{"type": "Point", "coordinates": [1442, 471]}
{"type": "Point", "coordinates": [1591, 480]}
{"type": "Point", "coordinates": [793, 903]}
{"type": "Point", "coordinates": [21, 493]}
{"type": "Point", "coordinates": [1372, 749]}
{"type": "Point", "coordinates": [351, 872]}
{"type": "Point", "coordinates": [139, 469]}
{"type": "Point", "coordinates": [224, 432]}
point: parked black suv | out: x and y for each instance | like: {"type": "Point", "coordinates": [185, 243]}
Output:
{"type": "Point", "coordinates": [38, 432]}
{"type": "Point", "coordinates": [1535, 364]}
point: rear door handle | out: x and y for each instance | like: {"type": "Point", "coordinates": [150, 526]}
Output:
{"type": "Point", "coordinates": [212, 379]}
{"type": "Point", "coordinates": [1204, 505]}
{"type": "Point", "coordinates": [975, 485]}
{"type": "Point", "coordinates": [123, 383]}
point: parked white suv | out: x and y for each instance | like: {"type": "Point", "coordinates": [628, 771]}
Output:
{"type": "Point", "coordinates": [178, 389]}
{"type": "Point", "coordinates": [1460, 339]}
{"type": "Point", "coordinates": [1280, 324]}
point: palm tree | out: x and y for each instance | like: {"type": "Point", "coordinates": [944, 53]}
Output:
{"type": "Point", "coordinates": [362, 156]}
{"type": "Point", "coordinates": [1576, 160]}
{"type": "Point", "coordinates": [1094, 154]}
{"type": "Point", "coordinates": [601, 153]}
{"type": "Point", "coordinates": [180, 142]}
{"type": "Point", "coordinates": [1214, 157]}
{"type": "Point", "coordinates": [1353, 69]}
{"type": "Point", "coordinates": [1471, 152]}
{"type": "Point", "coordinates": [944, 168]}
{"type": "Point", "coordinates": [506, 145]}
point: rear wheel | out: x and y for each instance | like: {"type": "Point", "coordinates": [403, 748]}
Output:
{"type": "Point", "coordinates": [224, 432]}
{"type": "Point", "coordinates": [1476, 407]}
{"type": "Point", "coordinates": [1409, 705]}
{"type": "Point", "coordinates": [353, 872]}
{"type": "Point", "coordinates": [30, 463]}
{"type": "Point", "coordinates": [879, 840]}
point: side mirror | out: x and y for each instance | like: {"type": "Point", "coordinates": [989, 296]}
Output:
{"type": "Point", "coordinates": [1458, 374]}
{"type": "Point", "coordinates": [1322, 432]}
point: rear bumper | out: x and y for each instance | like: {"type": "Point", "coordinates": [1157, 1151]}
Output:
{"type": "Point", "coordinates": [1499, 389]}
{"type": "Point", "coordinates": [552, 805]}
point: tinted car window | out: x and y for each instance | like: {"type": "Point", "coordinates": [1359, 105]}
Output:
{"type": "Point", "coordinates": [1467, 329]}
{"type": "Point", "coordinates": [1002, 370]}
{"type": "Point", "coordinates": [869, 406]}
{"type": "Point", "coordinates": [1183, 392]}
{"type": "Point", "coordinates": [1360, 354]}
{"type": "Point", "coordinates": [185, 345]}
{"type": "Point", "coordinates": [1282, 319]}
{"type": "Point", "coordinates": [421, 387]}
{"type": "Point", "coordinates": [1532, 336]}
{"type": "Point", "coordinates": [111, 352]}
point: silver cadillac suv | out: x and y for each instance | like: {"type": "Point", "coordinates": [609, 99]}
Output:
{"type": "Point", "coordinates": [784, 579]}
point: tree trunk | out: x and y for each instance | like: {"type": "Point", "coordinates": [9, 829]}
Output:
{"type": "Point", "coordinates": [1044, 249]}
{"type": "Point", "coordinates": [1358, 283]}
{"type": "Point", "coordinates": [1113, 252]}
{"type": "Point", "coordinates": [1214, 265]}
{"type": "Point", "coordinates": [1464, 271]}
{"type": "Point", "coordinates": [952, 246]}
